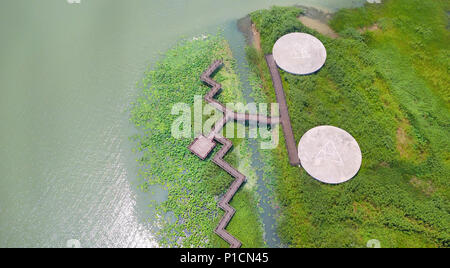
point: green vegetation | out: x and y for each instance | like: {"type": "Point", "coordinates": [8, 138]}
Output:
{"type": "Point", "coordinates": [193, 185]}
{"type": "Point", "coordinates": [386, 82]}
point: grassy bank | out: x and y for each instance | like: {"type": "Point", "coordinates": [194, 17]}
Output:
{"type": "Point", "coordinates": [385, 82]}
{"type": "Point", "coordinates": [194, 186]}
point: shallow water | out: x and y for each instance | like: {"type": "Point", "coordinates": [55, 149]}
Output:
{"type": "Point", "coordinates": [67, 77]}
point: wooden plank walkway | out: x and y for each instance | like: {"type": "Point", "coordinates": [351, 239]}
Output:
{"type": "Point", "coordinates": [226, 146]}
{"type": "Point", "coordinates": [285, 119]}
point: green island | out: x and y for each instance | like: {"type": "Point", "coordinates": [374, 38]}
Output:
{"type": "Point", "coordinates": [385, 81]}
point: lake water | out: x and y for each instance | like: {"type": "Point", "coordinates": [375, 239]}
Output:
{"type": "Point", "coordinates": [67, 77]}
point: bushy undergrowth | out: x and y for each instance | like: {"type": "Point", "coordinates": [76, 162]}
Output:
{"type": "Point", "coordinates": [194, 186]}
{"type": "Point", "coordinates": [389, 88]}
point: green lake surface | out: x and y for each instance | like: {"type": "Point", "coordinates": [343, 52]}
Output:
{"type": "Point", "coordinates": [68, 75]}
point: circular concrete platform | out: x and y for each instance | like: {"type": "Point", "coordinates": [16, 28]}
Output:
{"type": "Point", "coordinates": [329, 154]}
{"type": "Point", "coordinates": [299, 53]}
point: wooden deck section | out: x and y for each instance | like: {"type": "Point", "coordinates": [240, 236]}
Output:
{"type": "Point", "coordinates": [291, 145]}
{"type": "Point", "coordinates": [202, 145]}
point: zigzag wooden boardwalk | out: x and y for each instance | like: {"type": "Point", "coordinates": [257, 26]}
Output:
{"type": "Point", "coordinates": [202, 146]}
